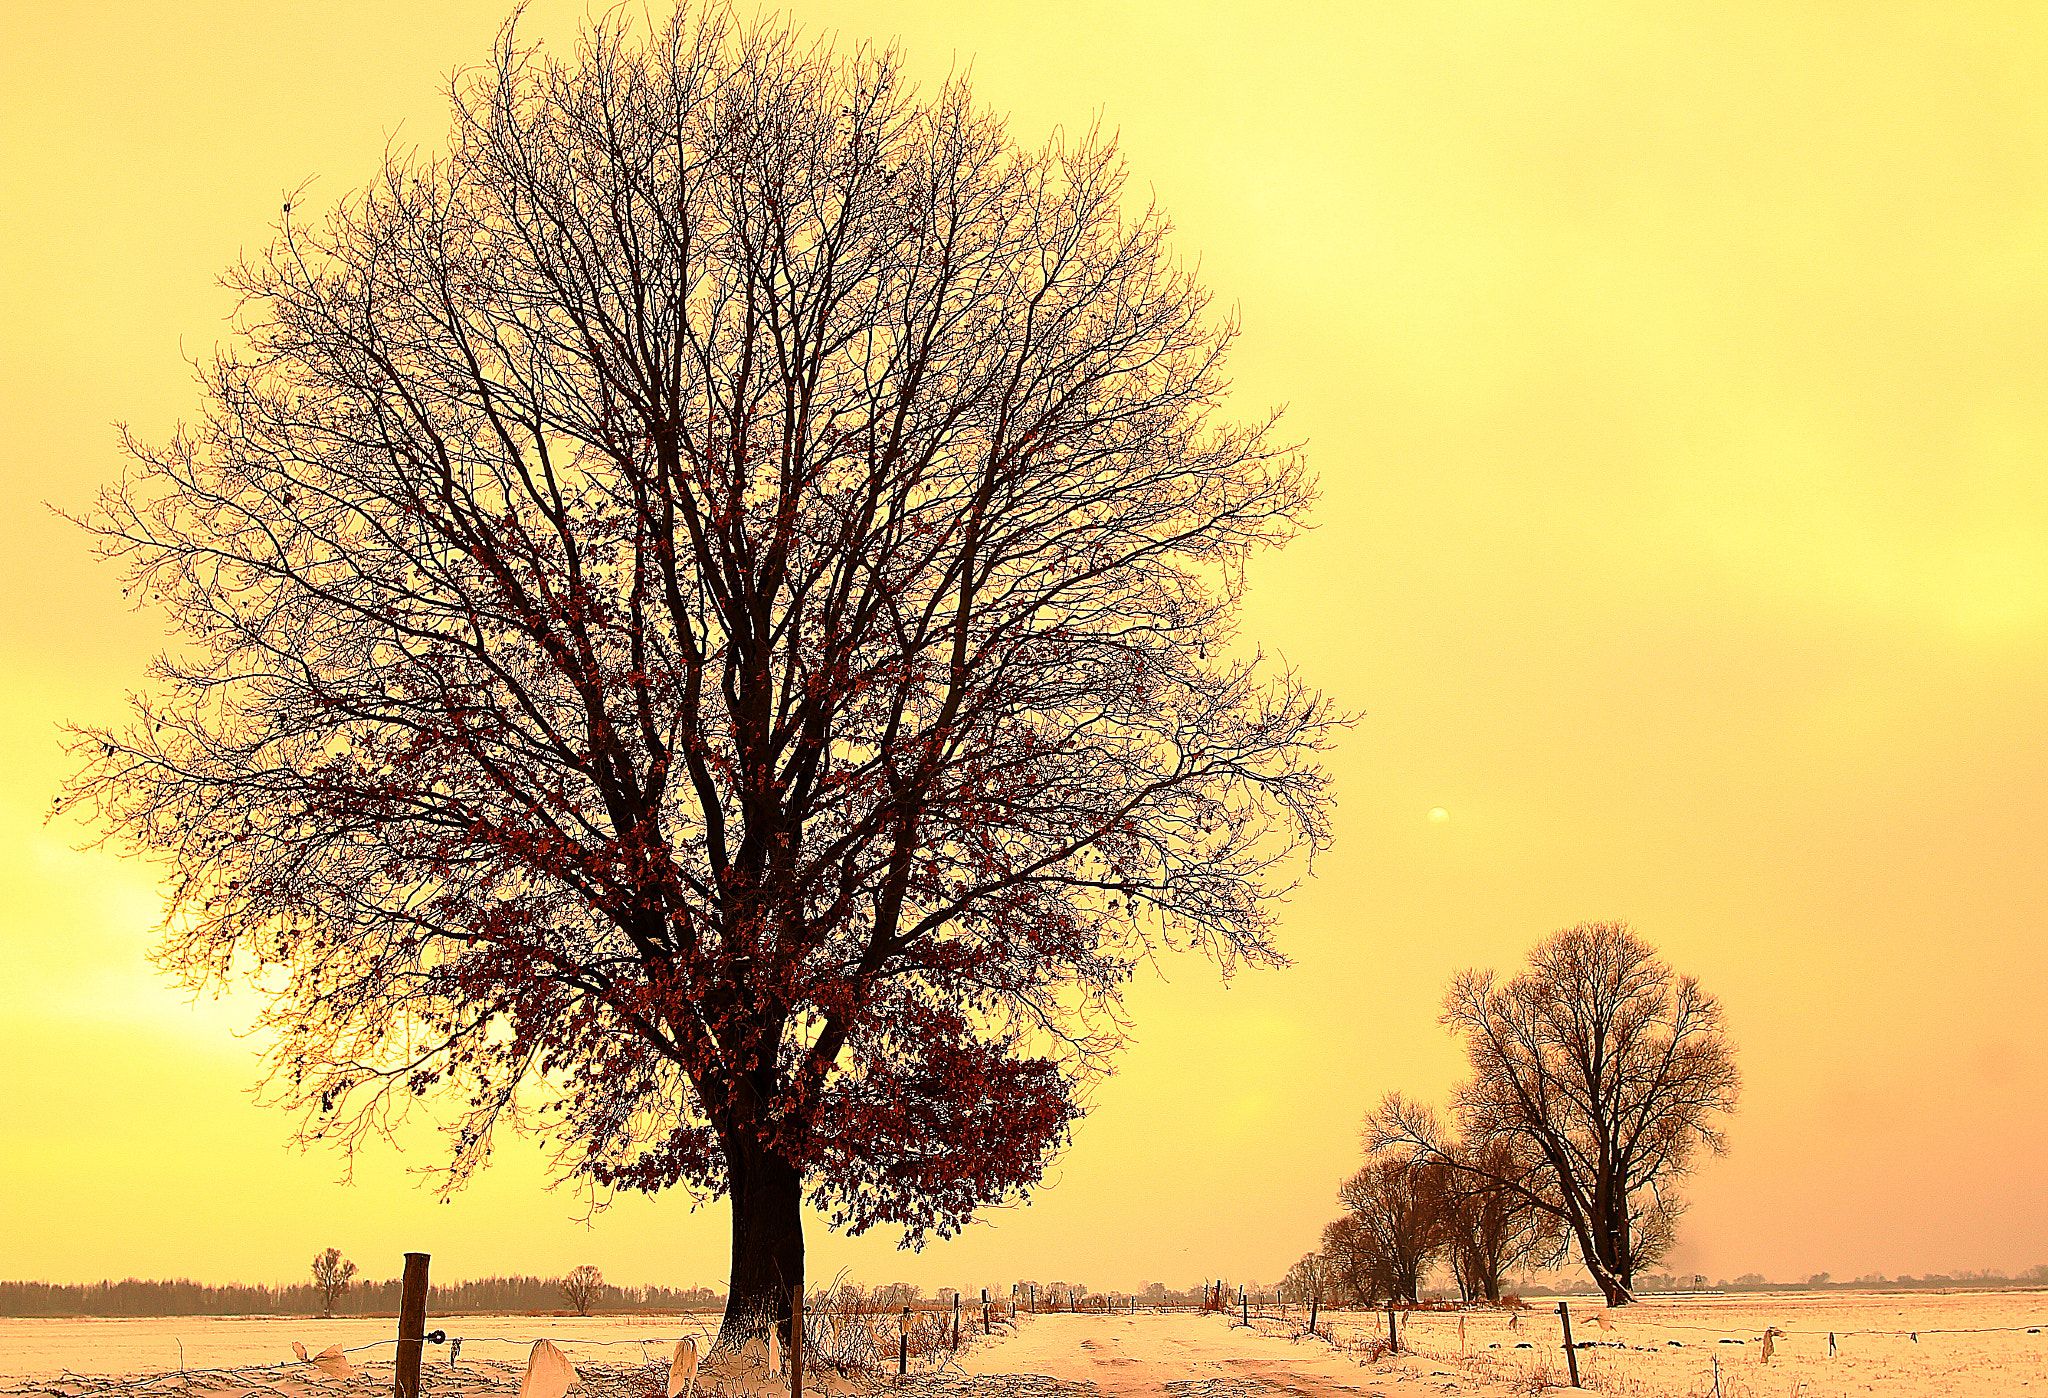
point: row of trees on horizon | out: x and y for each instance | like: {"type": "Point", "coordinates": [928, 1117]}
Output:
{"type": "Point", "coordinates": [490, 1295]}
{"type": "Point", "coordinates": [2036, 1275]}
{"type": "Point", "coordinates": [582, 1289]}
{"type": "Point", "coordinates": [134, 1297]}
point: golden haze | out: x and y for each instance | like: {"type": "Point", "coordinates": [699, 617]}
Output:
{"type": "Point", "coordinates": [1674, 374]}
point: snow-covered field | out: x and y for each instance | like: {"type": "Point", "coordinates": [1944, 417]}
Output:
{"type": "Point", "coordinates": [38, 1348]}
{"type": "Point", "coordinates": [1914, 1344]}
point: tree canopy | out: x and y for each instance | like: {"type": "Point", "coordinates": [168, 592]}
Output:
{"type": "Point", "coordinates": [706, 622]}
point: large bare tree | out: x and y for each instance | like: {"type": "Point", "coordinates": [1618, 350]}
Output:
{"type": "Point", "coordinates": [707, 621]}
{"type": "Point", "coordinates": [1597, 1074]}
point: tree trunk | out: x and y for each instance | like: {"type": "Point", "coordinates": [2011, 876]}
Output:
{"type": "Point", "coordinates": [1624, 1258]}
{"type": "Point", "coordinates": [1612, 1281]}
{"type": "Point", "coordinates": [1616, 1270]}
{"type": "Point", "coordinates": [767, 1245]}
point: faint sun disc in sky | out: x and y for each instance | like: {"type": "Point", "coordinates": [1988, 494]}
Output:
{"type": "Point", "coordinates": [1438, 813]}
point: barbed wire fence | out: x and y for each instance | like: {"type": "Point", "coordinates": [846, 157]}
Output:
{"type": "Point", "coordinates": [1538, 1338]}
{"type": "Point", "coordinates": [845, 1329]}
{"type": "Point", "coordinates": [857, 1333]}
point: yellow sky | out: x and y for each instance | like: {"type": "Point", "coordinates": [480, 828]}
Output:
{"type": "Point", "coordinates": [1674, 372]}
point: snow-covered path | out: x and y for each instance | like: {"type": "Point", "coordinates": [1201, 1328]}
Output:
{"type": "Point", "coordinates": [1198, 1356]}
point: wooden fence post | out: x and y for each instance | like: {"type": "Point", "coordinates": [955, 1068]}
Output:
{"type": "Point", "coordinates": [903, 1345]}
{"type": "Point", "coordinates": [984, 1311]}
{"type": "Point", "coordinates": [412, 1324]}
{"type": "Point", "coordinates": [1393, 1335]}
{"type": "Point", "coordinates": [1571, 1356]}
{"type": "Point", "coordinates": [956, 1320]}
{"type": "Point", "coordinates": [796, 1342]}
{"type": "Point", "coordinates": [1313, 1299]}
{"type": "Point", "coordinates": [1244, 1308]}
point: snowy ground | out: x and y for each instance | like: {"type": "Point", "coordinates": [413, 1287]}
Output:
{"type": "Point", "coordinates": [1967, 1345]}
{"type": "Point", "coordinates": [1165, 1356]}
{"type": "Point", "coordinates": [1916, 1345]}
{"type": "Point", "coordinates": [32, 1347]}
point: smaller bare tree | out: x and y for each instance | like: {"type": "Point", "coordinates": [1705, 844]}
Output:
{"type": "Point", "coordinates": [896, 1295]}
{"type": "Point", "coordinates": [331, 1273]}
{"type": "Point", "coordinates": [1354, 1274]}
{"type": "Point", "coordinates": [1400, 1228]}
{"type": "Point", "coordinates": [1602, 1074]}
{"type": "Point", "coordinates": [581, 1285]}
{"type": "Point", "coordinates": [1310, 1279]}
{"type": "Point", "coordinates": [1488, 1227]}
{"type": "Point", "coordinates": [1311, 1283]}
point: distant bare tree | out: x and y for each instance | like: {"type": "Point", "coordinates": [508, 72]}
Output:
{"type": "Point", "coordinates": [896, 1295]}
{"type": "Point", "coordinates": [580, 1286]}
{"type": "Point", "coordinates": [1600, 1074]}
{"type": "Point", "coordinates": [1312, 1278]}
{"type": "Point", "coordinates": [331, 1273]}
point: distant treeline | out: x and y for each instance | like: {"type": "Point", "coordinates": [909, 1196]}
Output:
{"type": "Point", "coordinates": [516, 1294]}
{"type": "Point", "coordinates": [499, 1295]}
{"type": "Point", "coordinates": [1873, 1281]}
{"type": "Point", "coordinates": [133, 1297]}
{"type": "Point", "coordinates": [1820, 1281]}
